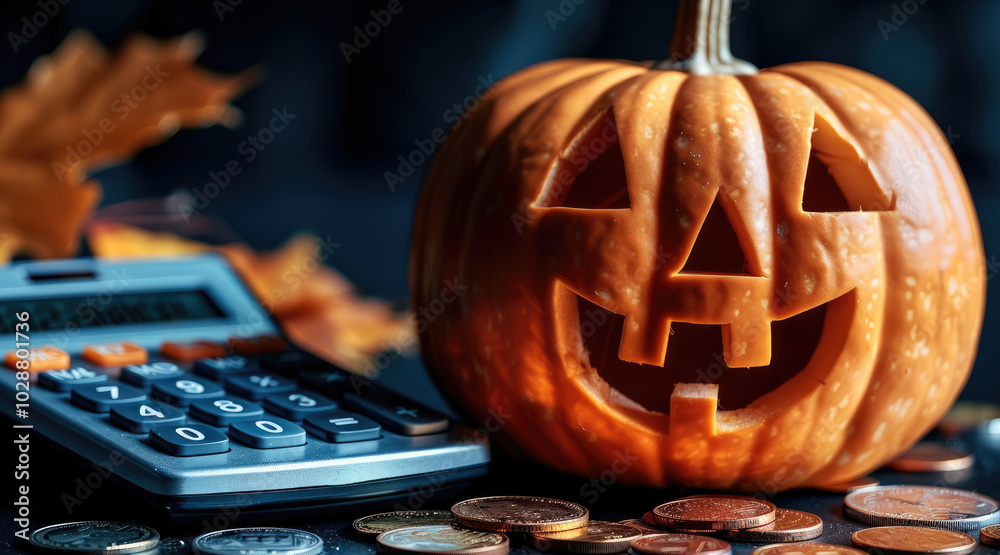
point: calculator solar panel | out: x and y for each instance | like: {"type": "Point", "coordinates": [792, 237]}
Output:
{"type": "Point", "coordinates": [173, 375]}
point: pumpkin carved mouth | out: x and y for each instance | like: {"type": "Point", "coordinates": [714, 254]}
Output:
{"type": "Point", "coordinates": [695, 355]}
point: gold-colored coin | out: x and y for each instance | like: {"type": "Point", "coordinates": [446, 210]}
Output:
{"type": "Point", "coordinates": [680, 544]}
{"type": "Point", "coordinates": [950, 508]}
{"type": "Point", "coordinates": [715, 512]}
{"type": "Point", "coordinates": [932, 457]}
{"type": "Point", "coordinates": [374, 525]}
{"type": "Point", "coordinates": [910, 540]}
{"type": "Point", "coordinates": [642, 526]}
{"type": "Point", "coordinates": [442, 539]}
{"type": "Point", "coordinates": [788, 526]}
{"type": "Point", "coordinates": [596, 538]}
{"type": "Point", "coordinates": [849, 486]}
{"type": "Point", "coordinates": [514, 513]}
{"type": "Point", "coordinates": [990, 535]}
{"type": "Point", "coordinates": [807, 548]}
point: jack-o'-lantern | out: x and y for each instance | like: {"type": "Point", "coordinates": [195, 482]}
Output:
{"type": "Point", "coordinates": [694, 272]}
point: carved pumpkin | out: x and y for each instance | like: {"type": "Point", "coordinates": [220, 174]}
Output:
{"type": "Point", "coordinates": [698, 273]}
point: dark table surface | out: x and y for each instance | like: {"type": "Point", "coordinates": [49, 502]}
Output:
{"type": "Point", "coordinates": [53, 475]}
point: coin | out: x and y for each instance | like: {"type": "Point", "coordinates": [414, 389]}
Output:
{"type": "Point", "coordinates": [849, 486]}
{"type": "Point", "coordinates": [967, 415]}
{"type": "Point", "coordinates": [172, 546]}
{"type": "Point", "coordinates": [907, 540]}
{"type": "Point", "coordinates": [642, 526]}
{"type": "Point", "coordinates": [950, 508]}
{"type": "Point", "coordinates": [680, 544]}
{"type": "Point", "coordinates": [513, 513]}
{"type": "Point", "coordinates": [932, 457]}
{"type": "Point", "coordinates": [715, 512]}
{"type": "Point", "coordinates": [807, 549]}
{"type": "Point", "coordinates": [990, 535]}
{"type": "Point", "coordinates": [442, 538]}
{"type": "Point", "coordinates": [374, 525]}
{"type": "Point", "coordinates": [788, 526]}
{"type": "Point", "coordinates": [96, 537]}
{"type": "Point", "coordinates": [263, 540]}
{"type": "Point", "coordinates": [596, 537]}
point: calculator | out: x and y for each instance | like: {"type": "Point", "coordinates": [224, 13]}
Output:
{"type": "Point", "coordinates": [170, 374]}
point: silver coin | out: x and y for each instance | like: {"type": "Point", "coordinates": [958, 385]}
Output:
{"type": "Point", "coordinates": [442, 538]}
{"type": "Point", "coordinates": [262, 540]}
{"type": "Point", "coordinates": [96, 537]}
{"type": "Point", "coordinates": [173, 546]}
{"type": "Point", "coordinates": [950, 508]}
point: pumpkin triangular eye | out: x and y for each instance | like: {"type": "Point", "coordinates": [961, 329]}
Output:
{"type": "Point", "coordinates": [591, 173]}
{"type": "Point", "coordinates": [717, 248]}
{"type": "Point", "coordinates": [822, 194]}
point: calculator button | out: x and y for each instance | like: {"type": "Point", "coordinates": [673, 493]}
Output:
{"type": "Point", "coordinates": [41, 359]}
{"type": "Point", "coordinates": [181, 392]}
{"type": "Point", "coordinates": [225, 410]}
{"type": "Point", "coordinates": [332, 382]}
{"type": "Point", "coordinates": [343, 427]}
{"type": "Point", "coordinates": [292, 362]}
{"type": "Point", "coordinates": [142, 375]}
{"type": "Point", "coordinates": [63, 380]}
{"type": "Point", "coordinates": [139, 418]}
{"type": "Point", "coordinates": [189, 439]}
{"type": "Point", "coordinates": [118, 353]}
{"type": "Point", "coordinates": [397, 413]}
{"type": "Point", "coordinates": [220, 367]}
{"type": "Point", "coordinates": [192, 350]}
{"type": "Point", "coordinates": [100, 397]}
{"type": "Point", "coordinates": [259, 345]}
{"type": "Point", "coordinates": [267, 433]}
{"type": "Point", "coordinates": [256, 386]}
{"type": "Point", "coordinates": [298, 405]}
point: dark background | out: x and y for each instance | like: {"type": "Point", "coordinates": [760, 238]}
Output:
{"type": "Point", "coordinates": [325, 172]}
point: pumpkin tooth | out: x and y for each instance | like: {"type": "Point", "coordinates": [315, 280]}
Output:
{"type": "Point", "coordinates": [692, 409]}
{"type": "Point", "coordinates": [747, 342]}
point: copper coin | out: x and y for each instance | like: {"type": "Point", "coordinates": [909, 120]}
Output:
{"type": "Point", "coordinates": [680, 544]}
{"type": "Point", "coordinates": [596, 537]}
{"type": "Point", "coordinates": [932, 457]}
{"type": "Point", "coordinates": [953, 509]}
{"type": "Point", "coordinates": [807, 549]}
{"type": "Point", "coordinates": [642, 526]}
{"type": "Point", "coordinates": [513, 513]}
{"type": "Point", "coordinates": [990, 535]}
{"type": "Point", "coordinates": [849, 486]}
{"type": "Point", "coordinates": [649, 519]}
{"type": "Point", "coordinates": [442, 539]}
{"type": "Point", "coordinates": [907, 540]}
{"type": "Point", "coordinates": [722, 512]}
{"type": "Point", "coordinates": [374, 525]}
{"type": "Point", "coordinates": [788, 526]}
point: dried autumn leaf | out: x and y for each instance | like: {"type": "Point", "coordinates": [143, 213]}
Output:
{"type": "Point", "coordinates": [81, 108]}
{"type": "Point", "coordinates": [319, 309]}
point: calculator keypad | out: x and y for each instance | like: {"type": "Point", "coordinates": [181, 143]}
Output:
{"type": "Point", "coordinates": [100, 397]}
{"type": "Point", "coordinates": [230, 397]}
{"type": "Point", "coordinates": [187, 388]}
{"type": "Point", "coordinates": [188, 440]}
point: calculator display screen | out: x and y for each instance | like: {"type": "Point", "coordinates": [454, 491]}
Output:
{"type": "Point", "coordinates": [111, 309]}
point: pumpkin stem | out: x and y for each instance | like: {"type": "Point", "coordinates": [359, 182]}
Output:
{"type": "Point", "coordinates": [701, 40]}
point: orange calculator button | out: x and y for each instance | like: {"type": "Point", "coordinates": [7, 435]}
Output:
{"type": "Point", "coordinates": [40, 359]}
{"type": "Point", "coordinates": [118, 353]}
{"type": "Point", "coordinates": [260, 345]}
{"type": "Point", "coordinates": [192, 350]}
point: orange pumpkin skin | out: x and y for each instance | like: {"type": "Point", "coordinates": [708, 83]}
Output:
{"type": "Point", "coordinates": [900, 278]}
